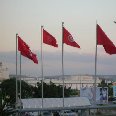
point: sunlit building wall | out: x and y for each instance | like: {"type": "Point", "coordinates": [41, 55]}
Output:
{"type": "Point", "coordinates": [4, 73]}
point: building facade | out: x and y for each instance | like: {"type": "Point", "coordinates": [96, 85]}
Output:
{"type": "Point", "coordinates": [4, 73]}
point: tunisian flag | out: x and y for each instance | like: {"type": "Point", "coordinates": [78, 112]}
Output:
{"type": "Point", "coordinates": [25, 50]}
{"type": "Point", "coordinates": [68, 39]}
{"type": "Point", "coordinates": [102, 39]}
{"type": "Point", "coordinates": [49, 39]}
{"type": "Point", "coordinates": [34, 58]}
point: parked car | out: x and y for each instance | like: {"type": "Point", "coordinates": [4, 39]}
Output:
{"type": "Point", "coordinates": [114, 100]}
{"type": "Point", "coordinates": [46, 113]}
{"type": "Point", "coordinates": [67, 113]}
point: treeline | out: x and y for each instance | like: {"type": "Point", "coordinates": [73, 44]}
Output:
{"type": "Point", "coordinates": [51, 90]}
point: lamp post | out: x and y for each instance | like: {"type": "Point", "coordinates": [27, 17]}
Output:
{"type": "Point", "coordinates": [0, 97]}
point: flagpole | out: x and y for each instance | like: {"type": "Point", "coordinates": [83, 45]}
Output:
{"type": "Point", "coordinates": [19, 102]}
{"type": "Point", "coordinates": [20, 76]}
{"type": "Point", "coordinates": [63, 61]}
{"type": "Point", "coordinates": [42, 61]}
{"type": "Point", "coordinates": [16, 74]}
{"type": "Point", "coordinates": [95, 67]}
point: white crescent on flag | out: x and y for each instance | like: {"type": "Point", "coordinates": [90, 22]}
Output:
{"type": "Point", "coordinates": [70, 38]}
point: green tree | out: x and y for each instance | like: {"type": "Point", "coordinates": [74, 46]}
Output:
{"type": "Point", "coordinates": [51, 90]}
{"type": "Point", "coordinates": [8, 88]}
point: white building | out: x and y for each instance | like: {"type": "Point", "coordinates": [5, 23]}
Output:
{"type": "Point", "coordinates": [73, 81]}
{"type": "Point", "coordinates": [4, 73]}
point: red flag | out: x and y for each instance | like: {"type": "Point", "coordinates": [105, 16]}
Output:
{"type": "Point", "coordinates": [49, 39]}
{"type": "Point", "coordinates": [25, 50]}
{"type": "Point", "coordinates": [22, 45]}
{"type": "Point", "coordinates": [102, 39]}
{"type": "Point", "coordinates": [34, 58]}
{"type": "Point", "coordinates": [110, 49]}
{"type": "Point", "coordinates": [68, 39]}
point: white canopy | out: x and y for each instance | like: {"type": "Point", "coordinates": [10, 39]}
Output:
{"type": "Point", "coordinates": [55, 102]}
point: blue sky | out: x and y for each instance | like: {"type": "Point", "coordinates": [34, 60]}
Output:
{"type": "Point", "coordinates": [25, 17]}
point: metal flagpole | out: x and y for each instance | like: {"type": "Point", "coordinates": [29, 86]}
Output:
{"type": "Point", "coordinates": [20, 77]}
{"type": "Point", "coordinates": [80, 82]}
{"type": "Point", "coordinates": [63, 62]}
{"type": "Point", "coordinates": [42, 61]}
{"type": "Point", "coordinates": [95, 67]}
{"type": "Point", "coordinates": [16, 74]}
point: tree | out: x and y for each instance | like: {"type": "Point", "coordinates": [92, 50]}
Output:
{"type": "Point", "coordinates": [51, 90]}
{"type": "Point", "coordinates": [8, 88]}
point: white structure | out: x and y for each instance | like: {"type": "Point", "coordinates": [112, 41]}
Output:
{"type": "Point", "coordinates": [75, 81]}
{"type": "Point", "coordinates": [30, 80]}
{"type": "Point", "coordinates": [4, 73]}
{"type": "Point", "coordinates": [55, 102]}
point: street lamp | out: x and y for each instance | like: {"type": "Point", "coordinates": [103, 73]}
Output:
{"type": "Point", "coordinates": [0, 97]}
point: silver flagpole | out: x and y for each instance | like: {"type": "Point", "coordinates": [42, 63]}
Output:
{"type": "Point", "coordinates": [16, 74]}
{"type": "Point", "coordinates": [42, 61]}
{"type": "Point", "coordinates": [63, 62]}
{"type": "Point", "coordinates": [95, 67]}
{"type": "Point", "coordinates": [20, 77]}
{"type": "Point", "coordinates": [19, 102]}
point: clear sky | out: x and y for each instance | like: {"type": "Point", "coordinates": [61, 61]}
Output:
{"type": "Point", "coordinates": [25, 17]}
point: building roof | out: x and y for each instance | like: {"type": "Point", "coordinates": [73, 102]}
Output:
{"type": "Point", "coordinates": [55, 102]}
